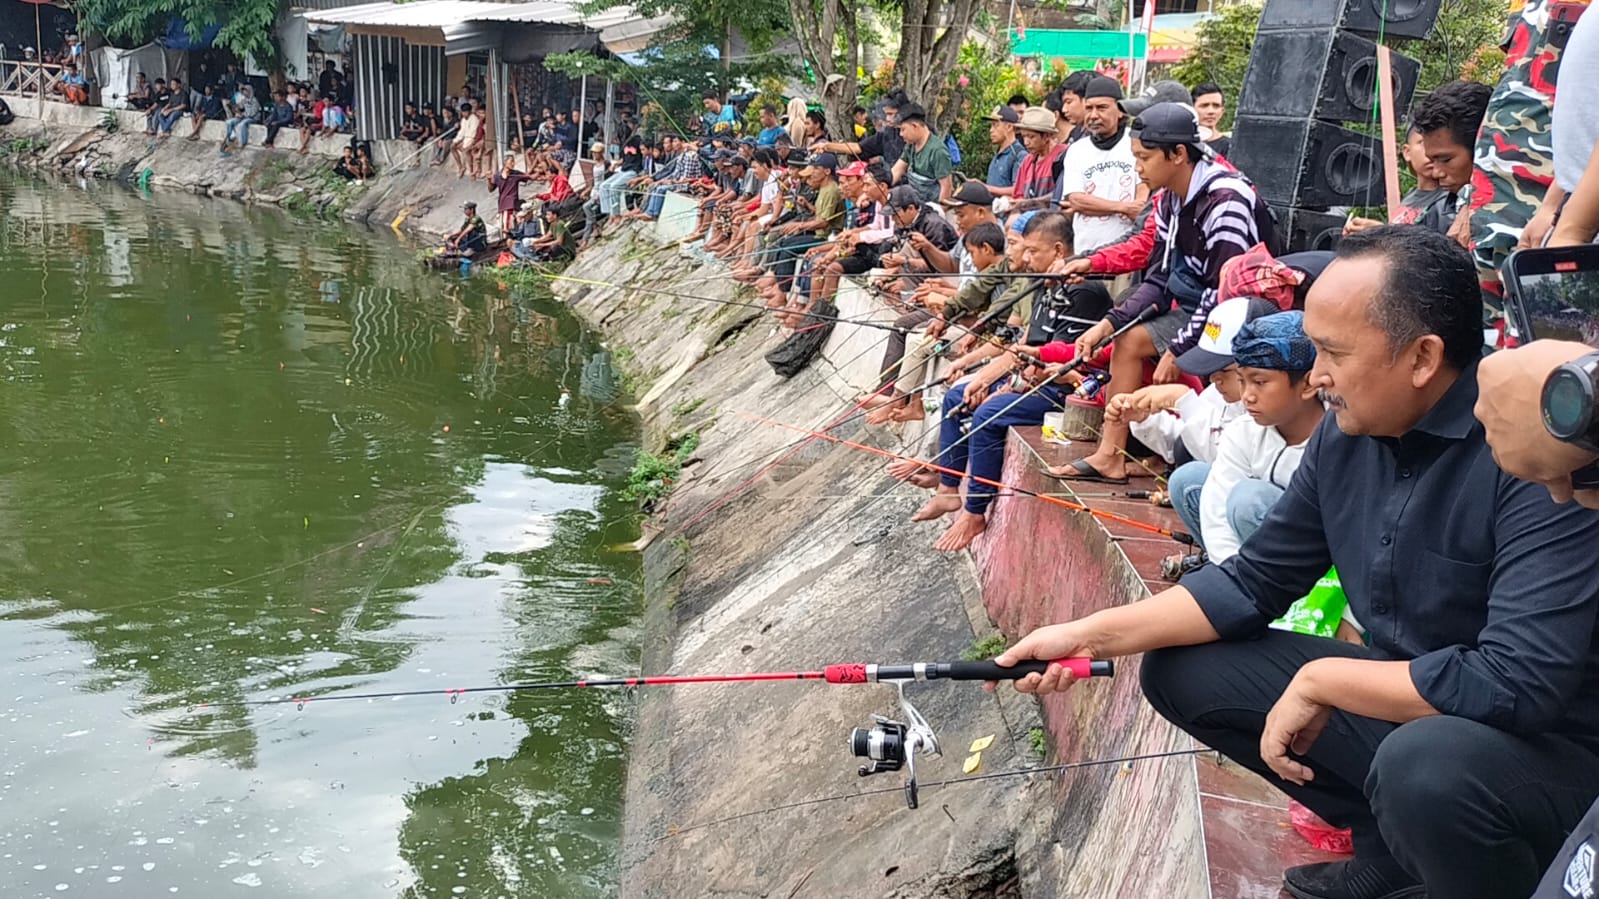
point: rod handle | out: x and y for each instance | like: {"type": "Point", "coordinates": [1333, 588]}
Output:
{"type": "Point", "coordinates": [987, 670]}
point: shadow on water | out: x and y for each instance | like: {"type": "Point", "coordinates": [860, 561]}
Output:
{"type": "Point", "coordinates": [252, 457]}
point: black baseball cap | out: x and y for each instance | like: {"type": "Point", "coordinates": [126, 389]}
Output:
{"type": "Point", "coordinates": [1102, 86]}
{"type": "Point", "coordinates": [823, 161]}
{"type": "Point", "coordinates": [904, 197]}
{"type": "Point", "coordinates": [1167, 123]}
{"type": "Point", "coordinates": [971, 193]}
{"type": "Point", "coordinates": [1003, 114]}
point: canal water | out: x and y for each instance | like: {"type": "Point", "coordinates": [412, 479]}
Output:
{"type": "Point", "coordinates": [250, 457]}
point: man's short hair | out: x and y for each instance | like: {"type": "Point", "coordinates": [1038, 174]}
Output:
{"type": "Point", "coordinates": [1206, 87]}
{"type": "Point", "coordinates": [1018, 100]}
{"type": "Point", "coordinates": [1051, 224]}
{"type": "Point", "coordinates": [1077, 82]}
{"type": "Point", "coordinates": [878, 171]}
{"type": "Point", "coordinates": [987, 234]}
{"type": "Point", "coordinates": [1446, 301]}
{"type": "Point", "coordinates": [1458, 106]}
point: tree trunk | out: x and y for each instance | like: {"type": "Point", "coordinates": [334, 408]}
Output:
{"type": "Point", "coordinates": [932, 33]}
{"type": "Point", "coordinates": [726, 82]}
{"type": "Point", "coordinates": [816, 28]}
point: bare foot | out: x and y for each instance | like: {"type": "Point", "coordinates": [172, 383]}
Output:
{"type": "Point", "coordinates": [875, 400]}
{"type": "Point", "coordinates": [911, 411]}
{"type": "Point", "coordinates": [960, 535]}
{"type": "Point", "coordinates": [940, 505]}
{"type": "Point", "coordinates": [926, 479]}
{"type": "Point", "coordinates": [882, 415]}
{"type": "Point", "coordinates": [906, 469]}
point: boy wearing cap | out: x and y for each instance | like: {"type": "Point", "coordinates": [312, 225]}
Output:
{"type": "Point", "coordinates": [1008, 151]}
{"type": "Point", "coordinates": [827, 216]}
{"type": "Point", "coordinates": [925, 164]}
{"type": "Point", "coordinates": [1207, 215]}
{"type": "Point", "coordinates": [1099, 185]}
{"type": "Point", "coordinates": [1259, 453]}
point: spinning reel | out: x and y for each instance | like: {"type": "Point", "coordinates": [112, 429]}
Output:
{"type": "Point", "coordinates": [890, 745]}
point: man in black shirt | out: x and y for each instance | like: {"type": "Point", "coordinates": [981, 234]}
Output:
{"type": "Point", "coordinates": [1462, 741]}
{"type": "Point", "coordinates": [412, 127]}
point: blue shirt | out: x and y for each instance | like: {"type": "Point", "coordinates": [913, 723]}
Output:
{"type": "Point", "coordinates": [1002, 169]}
{"type": "Point", "coordinates": [1485, 585]}
{"type": "Point", "coordinates": [768, 136]}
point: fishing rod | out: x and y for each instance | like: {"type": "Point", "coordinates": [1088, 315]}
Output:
{"type": "Point", "coordinates": [886, 745]}
{"type": "Point", "coordinates": [1179, 536]}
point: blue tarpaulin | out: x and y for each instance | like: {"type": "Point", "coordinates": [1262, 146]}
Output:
{"type": "Point", "coordinates": [177, 36]}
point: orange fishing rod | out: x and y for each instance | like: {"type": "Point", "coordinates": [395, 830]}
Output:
{"type": "Point", "coordinates": [1178, 536]}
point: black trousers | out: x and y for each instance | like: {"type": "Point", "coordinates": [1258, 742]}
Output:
{"type": "Point", "coordinates": [896, 343]}
{"type": "Point", "coordinates": [1470, 810]}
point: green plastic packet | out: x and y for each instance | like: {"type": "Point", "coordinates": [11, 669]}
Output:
{"type": "Point", "coordinates": [1319, 611]}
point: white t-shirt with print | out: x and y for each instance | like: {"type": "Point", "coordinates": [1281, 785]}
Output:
{"type": "Point", "coordinates": [1107, 174]}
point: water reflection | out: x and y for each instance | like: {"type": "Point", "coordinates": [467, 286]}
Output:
{"type": "Point", "coordinates": [251, 457]}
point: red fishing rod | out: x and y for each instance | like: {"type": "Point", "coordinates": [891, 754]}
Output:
{"type": "Point", "coordinates": [888, 745]}
{"type": "Point", "coordinates": [1178, 536]}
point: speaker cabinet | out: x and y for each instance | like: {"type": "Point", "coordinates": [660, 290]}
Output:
{"type": "Point", "coordinates": [1306, 163]}
{"type": "Point", "coordinates": [1404, 18]}
{"type": "Point", "coordinates": [1306, 229]}
{"type": "Point", "coordinates": [1320, 74]}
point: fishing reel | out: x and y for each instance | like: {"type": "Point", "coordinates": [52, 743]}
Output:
{"type": "Point", "coordinates": [890, 745]}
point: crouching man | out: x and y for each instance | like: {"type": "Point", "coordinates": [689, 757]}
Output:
{"type": "Point", "coordinates": [1462, 743]}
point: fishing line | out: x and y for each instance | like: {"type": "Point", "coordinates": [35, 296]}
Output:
{"type": "Point", "coordinates": [675, 831]}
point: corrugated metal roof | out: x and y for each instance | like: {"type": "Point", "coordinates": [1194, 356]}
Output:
{"type": "Point", "coordinates": [442, 14]}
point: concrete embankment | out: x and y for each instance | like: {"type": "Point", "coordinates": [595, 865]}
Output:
{"type": "Point", "coordinates": [409, 193]}
{"type": "Point", "coordinates": [769, 556]}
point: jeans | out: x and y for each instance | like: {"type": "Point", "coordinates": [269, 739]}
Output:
{"type": "Point", "coordinates": [982, 455]}
{"type": "Point", "coordinates": [610, 192]}
{"type": "Point", "coordinates": [656, 201]}
{"type": "Point", "coordinates": [273, 128]}
{"type": "Point", "coordinates": [1468, 809]}
{"type": "Point", "coordinates": [523, 251]}
{"type": "Point", "coordinates": [1248, 504]}
{"type": "Point", "coordinates": [1184, 485]}
{"type": "Point", "coordinates": [242, 125]}
{"type": "Point", "coordinates": [895, 350]}
{"type": "Point", "coordinates": [165, 121]}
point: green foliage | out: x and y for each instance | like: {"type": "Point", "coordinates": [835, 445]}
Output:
{"type": "Point", "coordinates": [246, 24]}
{"type": "Point", "coordinates": [110, 123]}
{"type": "Point", "coordinates": [990, 79]}
{"type": "Point", "coordinates": [985, 648]}
{"type": "Point", "coordinates": [653, 476]}
{"type": "Point", "coordinates": [1038, 741]}
{"type": "Point", "coordinates": [687, 407]}
{"type": "Point", "coordinates": [1221, 52]}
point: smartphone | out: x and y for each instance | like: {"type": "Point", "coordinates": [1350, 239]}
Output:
{"type": "Point", "coordinates": [1553, 293]}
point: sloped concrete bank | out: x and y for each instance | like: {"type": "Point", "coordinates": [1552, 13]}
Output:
{"type": "Point", "coordinates": [409, 193]}
{"type": "Point", "coordinates": [810, 563]}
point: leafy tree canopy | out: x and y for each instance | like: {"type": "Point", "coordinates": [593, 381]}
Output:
{"type": "Point", "coordinates": [246, 24]}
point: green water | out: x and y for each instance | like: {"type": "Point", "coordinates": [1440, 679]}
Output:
{"type": "Point", "coordinates": [247, 457]}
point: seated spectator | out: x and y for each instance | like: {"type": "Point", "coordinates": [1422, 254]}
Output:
{"type": "Point", "coordinates": [449, 128]}
{"type": "Point", "coordinates": [1259, 453]}
{"type": "Point", "coordinates": [1427, 204]}
{"type": "Point", "coordinates": [412, 126]}
{"type": "Point", "coordinates": [160, 94]}
{"type": "Point", "coordinates": [1448, 119]}
{"type": "Point", "coordinates": [209, 109]}
{"type": "Point", "coordinates": [988, 398]}
{"type": "Point", "coordinates": [72, 86]}
{"type": "Point", "coordinates": [925, 164]}
{"type": "Point", "coordinates": [140, 97]}
{"type": "Point", "coordinates": [770, 129]}
{"type": "Point", "coordinates": [363, 159]}
{"type": "Point", "coordinates": [826, 215]}
{"type": "Point", "coordinates": [347, 167]}
{"type": "Point", "coordinates": [279, 117]}
{"type": "Point", "coordinates": [557, 241]}
{"type": "Point", "coordinates": [469, 239]}
{"type": "Point", "coordinates": [244, 110]}
{"type": "Point", "coordinates": [177, 106]}
{"type": "Point", "coordinates": [1008, 153]}
{"type": "Point", "coordinates": [1207, 215]}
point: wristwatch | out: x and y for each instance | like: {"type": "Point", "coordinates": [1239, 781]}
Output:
{"type": "Point", "coordinates": [1568, 403]}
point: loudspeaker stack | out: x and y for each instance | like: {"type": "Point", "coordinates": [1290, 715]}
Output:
{"type": "Point", "coordinates": [1313, 70]}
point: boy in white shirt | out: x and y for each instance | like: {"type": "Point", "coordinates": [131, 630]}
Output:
{"type": "Point", "coordinates": [1258, 454]}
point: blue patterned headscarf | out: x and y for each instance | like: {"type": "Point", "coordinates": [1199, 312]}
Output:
{"type": "Point", "coordinates": [1275, 342]}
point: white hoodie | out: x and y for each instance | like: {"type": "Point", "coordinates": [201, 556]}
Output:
{"type": "Point", "coordinates": [1197, 421]}
{"type": "Point", "coordinates": [1247, 451]}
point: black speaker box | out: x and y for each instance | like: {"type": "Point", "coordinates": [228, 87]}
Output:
{"type": "Point", "coordinates": [1306, 229]}
{"type": "Point", "coordinates": [1320, 74]}
{"type": "Point", "coordinates": [1403, 19]}
{"type": "Point", "coordinates": [1306, 163]}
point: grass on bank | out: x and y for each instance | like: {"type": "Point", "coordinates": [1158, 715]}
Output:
{"type": "Point", "coordinates": [654, 476]}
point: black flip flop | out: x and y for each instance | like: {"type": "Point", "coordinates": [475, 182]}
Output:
{"type": "Point", "coordinates": [1086, 473]}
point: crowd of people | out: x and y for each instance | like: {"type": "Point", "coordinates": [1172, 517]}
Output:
{"type": "Point", "coordinates": [1322, 417]}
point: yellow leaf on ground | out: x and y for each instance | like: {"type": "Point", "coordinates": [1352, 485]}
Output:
{"type": "Point", "coordinates": [982, 743]}
{"type": "Point", "coordinates": [973, 762]}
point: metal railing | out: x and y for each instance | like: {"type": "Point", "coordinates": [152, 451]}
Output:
{"type": "Point", "coordinates": [28, 78]}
